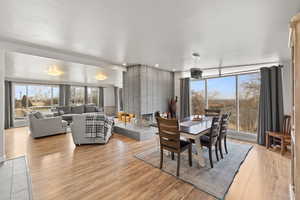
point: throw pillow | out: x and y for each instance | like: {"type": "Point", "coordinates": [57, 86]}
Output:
{"type": "Point", "coordinates": [38, 115]}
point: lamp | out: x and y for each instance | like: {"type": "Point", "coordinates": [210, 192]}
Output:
{"type": "Point", "coordinates": [54, 70]}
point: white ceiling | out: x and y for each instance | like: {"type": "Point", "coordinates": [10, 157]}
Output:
{"type": "Point", "coordinates": [154, 31]}
{"type": "Point", "coordinates": [22, 67]}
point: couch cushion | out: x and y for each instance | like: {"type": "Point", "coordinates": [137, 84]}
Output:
{"type": "Point", "coordinates": [90, 108]}
{"type": "Point", "coordinates": [38, 115]}
{"type": "Point", "coordinates": [64, 109]}
{"type": "Point", "coordinates": [77, 109]}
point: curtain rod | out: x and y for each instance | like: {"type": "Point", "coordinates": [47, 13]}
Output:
{"type": "Point", "coordinates": [236, 66]}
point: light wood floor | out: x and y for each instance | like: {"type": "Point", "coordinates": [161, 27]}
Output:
{"type": "Point", "coordinates": [60, 170]}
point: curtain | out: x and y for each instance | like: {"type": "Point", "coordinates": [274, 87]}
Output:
{"type": "Point", "coordinates": [271, 102]}
{"type": "Point", "coordinates": [67, 95]}
{"type": "Point", "coordinates": [117, 104]}
{"type": "Point", "coordinates": [86, 95]}
{"type": "Point", "coordinates": [184, 98]}
{"type": "Point", "coordinates": [61, 95]}
{"type": "Point", "coordinates": [8, 119]}
{"type": "Point", "coordinates": [101, 97]}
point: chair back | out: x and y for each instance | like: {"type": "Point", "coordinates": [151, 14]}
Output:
{"type": "Point", "coordinates": [286, 125]}
{"type": "Point", "coordinates": [215, 130]}
{"type": "Point", "coordinates": [169, 134]}
{"type": "Point", "coordinates": [224, 124]}
{"type": "Point", "coordinates": [212, 112]}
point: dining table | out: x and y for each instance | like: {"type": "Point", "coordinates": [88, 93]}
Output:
{"type": "Point", "coordinates": [192, 130]}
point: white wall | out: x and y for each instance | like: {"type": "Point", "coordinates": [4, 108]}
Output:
{"type": "Point", "coordinates": [2, 67]}
{"type": "Point", "coordinates": [287, 85]}
{"type": "Point", "coordinates": [109, 96]}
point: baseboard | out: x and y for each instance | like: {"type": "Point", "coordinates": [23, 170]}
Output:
{"type": "Point", "coordinates": [292, 194]}
{"type": "Point", "coordinates": [2, 158]}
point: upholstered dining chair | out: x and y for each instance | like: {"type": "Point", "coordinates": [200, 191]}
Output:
{"type": "Point", "coordinates": [212, 112]}
{"type": "Point", "coordinates": [211, 139]}
{"type": "Point", "coordinates": [169, 137]}
{"type": "Point", "coordinates": [284, 136]}
{"type": "Point", "coordinates": [223, 133]}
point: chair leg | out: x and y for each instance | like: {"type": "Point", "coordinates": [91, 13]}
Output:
{"type": "Point", "coordinates": [210, 158]}
{"type": "Point", "coordinates": [282, 147]}
{"type": "Point", "coordinates": [225, 144]}
{"type": "Point", "coordinates": [190, 155]}
{"type": "Point", "coordinates": [161, 157]}
{"type": "Point", "coordinates": [267, 141]}
{"type": "Point", "coordinates": [216, 150]}
{"type": "Point", "coordinates": [172, 155]}
{"type": "Point", "coordinates": [178, 164]}
{"type": "Point", "coordinates": [220, 148]}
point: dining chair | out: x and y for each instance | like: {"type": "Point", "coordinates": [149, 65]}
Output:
{"type": "Point", "coordinates": [211, 139]}
{"type": "Point", "coordinates": [169, 136]}
{"type": "Point", "coordinates": [212, 112]}
{"type": "Point", "coordinates": [223, 133]}
{"type": "Point", "coordinates": [284, 136]}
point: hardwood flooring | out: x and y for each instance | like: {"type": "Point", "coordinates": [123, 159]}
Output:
{"type": "Point", "coordinates": [60, 170]}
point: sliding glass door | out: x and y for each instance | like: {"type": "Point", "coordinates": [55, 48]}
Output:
{"type": "Point", "coordinates": [93, 95]}
{"type": "Point", "coordinates": [238, 95]}
{"type": "Point", "coordinates": [77, 95]}
{"type": "Point", "coordinates": [33, 97]}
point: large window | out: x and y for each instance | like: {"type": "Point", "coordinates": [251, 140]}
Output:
{"type": "Point", "coordinates": [77, 95]}
{"type": "Point", "coordinates": [248, 102]}
{"type": "Point", "coordinates": [198, 97]}
{"type": "Point", "coordinates": [222, 95]}
{"type": "Point", "coordinates": [93, 95]}
{"type": "Point", "coordinates": [29, 97]}
{"type": "Point", "coordinates": [238, 95]}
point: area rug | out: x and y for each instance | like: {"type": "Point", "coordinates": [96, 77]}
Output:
{"type": "Point", "coordinates": [15, 181]}
{"type": "Point", "coordinates": [214, 181]}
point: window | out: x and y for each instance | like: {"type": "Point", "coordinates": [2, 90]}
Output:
{"type": "Point", "coordinates": [77, 95]}
{"type": "Point", "coordinates": [198, 97]}
{"type": "Point", "coordinates": [29, 97]}
{"type": "Point", "coordinates": [222, 95]}
{"type": "Point", "coordinates": [249, 86]}
{"type": "Point", "coordinates": [230, 94]}
{"type": "Point", "coordinates": [93, 95]}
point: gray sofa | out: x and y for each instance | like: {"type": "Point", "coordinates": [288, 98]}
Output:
{"type": "Point", "coordinates": [40, 126]}
{"type": "Point", "coordinates": [78, 127]}
{"type": "Point", "coordinates": [67, 112]}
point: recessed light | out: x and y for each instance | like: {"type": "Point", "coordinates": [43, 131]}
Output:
{"type": "Point", "coordinates": [124, 64]}
{"type": "Point", "coordinates": [173, 70]}
{"type": "Point", "coordinates": [156, 65]}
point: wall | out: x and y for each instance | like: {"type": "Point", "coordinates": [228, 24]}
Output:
{"type": "Point", "coordinates": [147, 89]}
{"type": "Point", "coordinates": [287, 87]}
{"type": "Point", "coordinates": [2, 137]}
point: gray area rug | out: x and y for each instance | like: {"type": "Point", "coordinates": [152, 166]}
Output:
{"type": "Point", "coordinates": [215, 181]}
{"type": "Point", "coordinates": [15, 181]}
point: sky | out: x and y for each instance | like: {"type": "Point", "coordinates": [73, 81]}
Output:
{"type": "Point", "coordinates": [225, 86]}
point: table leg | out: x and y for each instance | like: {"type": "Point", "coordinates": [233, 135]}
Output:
{"type": "Point", "coordinates": [199, 155]}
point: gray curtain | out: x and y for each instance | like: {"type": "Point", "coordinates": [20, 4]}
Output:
{"type": "Point", "coordinates": [271, 102]}
{"type": "Point", "coordinates": [8, 119]}
{"type": "Point", "coordinates": [67, 95]}
{"type": "Point", "coordinates": [61, 95]}
{"type": "Point", "coordinates": [117, 103]}
{"type": "Point", "coordinates": [85, 94]}
{"type": "Point", "coordinates": [184, 98]}
{"type": "Point", "coordinates": [101, 97]}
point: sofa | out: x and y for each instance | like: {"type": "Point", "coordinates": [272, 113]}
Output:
{"type": "Point", "coordinates": [41, 126]}
{"type": "Point", "coordinates": [78, 129]}
{"type": "Point", "coordinates": [67, 112]}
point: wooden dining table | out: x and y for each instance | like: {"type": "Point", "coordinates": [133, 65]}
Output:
{"type": "Point", "coordinates": [193, 130]}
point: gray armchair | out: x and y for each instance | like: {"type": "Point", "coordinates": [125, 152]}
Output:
{"type": "Point", "coordinates": [41, 127]}
{"type": "Point", "coordinates": [78, 127]}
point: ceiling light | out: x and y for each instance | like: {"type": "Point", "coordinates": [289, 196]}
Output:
{"type": "Point", "coordinates": [54, 70]}
{"type": "Point", "coordinates": [156, 65]}
{"type": "Point", "coordinates": [173, 70]}
{"type": "Point", "coordinates": [124, 64]}
{"type": "Point", "coordinates": [101, 77]}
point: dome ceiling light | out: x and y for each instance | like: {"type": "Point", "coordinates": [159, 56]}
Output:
{"type": "Point", "coordinates": [54, 70]}
{"type": "Point", "coordinates": [101, 76]}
